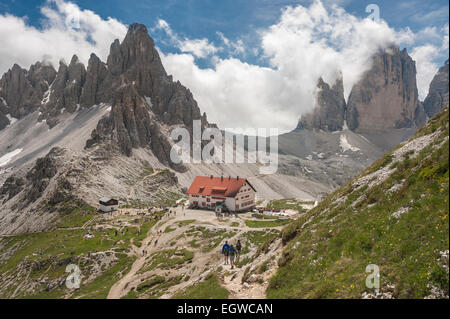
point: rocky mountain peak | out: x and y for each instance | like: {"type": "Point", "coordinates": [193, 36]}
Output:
{"type": "Point", "coordinates": [386, 96]}
{"type": "Point", "coordinates": [96, 89]}
{"type": "Point", "coordinates": [65, 91]}
{"type": "Point", "coordinates": [42, 73]}
{"type": "Point", "coordinates": [74, 60]}
{"type": "Point", "coordinates": [133, 81]}
{"type": "Point", "coordinates": [329, 111]}
{"type": "Point", "coordinates": [137, 28]}
{"type": "Point", "coordinates": [21, 90]}
{"type": "Point", "coordinates": [144, 96]}
{"type": "Point", "coordinates": [137, 59]}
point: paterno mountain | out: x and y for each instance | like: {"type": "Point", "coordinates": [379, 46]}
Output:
{"type": "Point", "coordinates": [133, 80]}
{"type": "Point", "coordinates": [78, 133]}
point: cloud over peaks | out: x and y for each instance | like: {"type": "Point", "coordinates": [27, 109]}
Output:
{"type": "Point", "coordinates": [66, 30]}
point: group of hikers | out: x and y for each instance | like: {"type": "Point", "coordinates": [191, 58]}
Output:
{"type": "Point", "coordinates": [225, 214]}
{"type": "Point", "coordinates": [231, 253]}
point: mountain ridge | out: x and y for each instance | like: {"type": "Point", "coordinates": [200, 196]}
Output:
{"type": "Point", "coordinates": [385, 97]}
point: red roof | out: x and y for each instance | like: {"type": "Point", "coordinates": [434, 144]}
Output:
{"type": "Point", "coordinates": [216, 186]}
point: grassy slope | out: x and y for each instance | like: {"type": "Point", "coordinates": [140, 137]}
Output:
{"type": "Point", "coordinates": [54, 248]}
{"type": "Point", "coordinates": [328, 249]}
{"type": "Point", "coordinates": [210, 288]}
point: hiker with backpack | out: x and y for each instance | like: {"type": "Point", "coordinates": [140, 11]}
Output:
{"type": "Point", "coordinates": [226, 251]}
{"type": "Point", "coordinates": [232, 254]}
{"type": "Point", "coordinates": [238, 250]}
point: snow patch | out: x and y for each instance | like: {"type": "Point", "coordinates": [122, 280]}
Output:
{"type": "Point", "coordinates": [11, 119]}
{"type": "Point", "coordinates": [345, 127]}
{"type": "Point", "coordinates": [149, 101]}
{"type": "Point", "coordinates": [47, 94]}
{"type": "Point", "coordinates": [9, 156]}
{"type": "Point", "coordinates": [345, 145]}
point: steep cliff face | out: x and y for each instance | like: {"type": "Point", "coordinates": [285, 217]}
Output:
{"type": "Point", "coordinates": [386, 97]}
{"type": "Point", "coordinates": [329, 113]}
{"type": "Point", "coordinates": [21, 91]}
{"type": "Point", "coordinates": [128, 123]}
{"type": "Point", "coordinates": [65, 91]}
{"type": "Point", "coordinates": [144, 97]}
{"type": "Point", "coordinates": [437, 96]}
{"type": "Point", "coordinates": [137, 61]}
{"type": "Point", "coordinates": [97, 87]}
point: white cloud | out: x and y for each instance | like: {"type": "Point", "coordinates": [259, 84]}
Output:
{"type": "Point", "coordinates": [444, 46]}
{"type": "Point", "coordinates": [428, 33]}
{"type": "Point", "coordinates": [306, 43]}
{"type": "Point", "coordinates": [426, 68]}
{"type": "Point", "coordinates": [200, 48]}
{"type": "Point", "coordinates": [432, 16]}
{"type": "Point", "coordinates": [236, 47]}
{"type": "Point", "coordinates": [60, 37]}
{"type": "Point", "coordinates": [234, 94]}
{"type": "Point", "coordinates": [431, 43]}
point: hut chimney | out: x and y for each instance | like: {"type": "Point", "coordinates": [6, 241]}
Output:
{"type": "Point", "coordinates": [211, 176]}
{"type": "Point", "coordinates": [237, 177]}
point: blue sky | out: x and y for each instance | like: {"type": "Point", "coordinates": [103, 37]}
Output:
{"type": "Point", "coordinates": [234, 18]}
{"type": "Point", "coordinates": [244, 60]}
